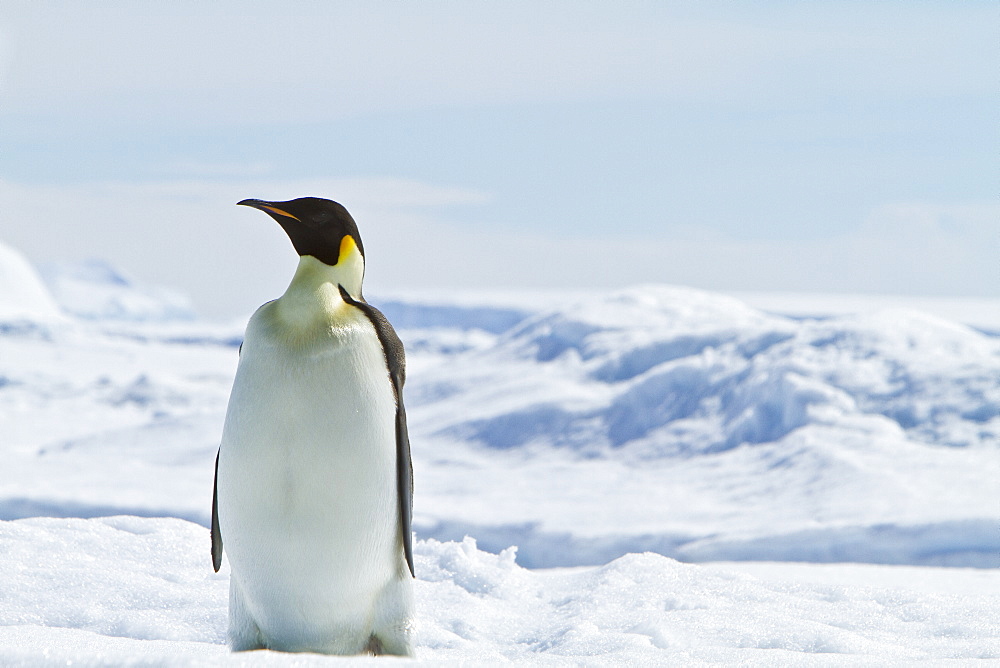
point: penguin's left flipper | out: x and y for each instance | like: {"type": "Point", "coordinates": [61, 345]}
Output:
{"type": "Point", "coordinates": [395, 360]}
{"type": "Point", "coordinates": [216, 533]}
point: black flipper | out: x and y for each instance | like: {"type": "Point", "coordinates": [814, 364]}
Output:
{"type": "Point", "coordinates": [216, 533]}
{"type": "Point", "coordinates": [395, 360]}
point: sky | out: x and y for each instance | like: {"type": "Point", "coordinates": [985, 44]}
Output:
{"type": "Point", "coordinates": [845, 147]}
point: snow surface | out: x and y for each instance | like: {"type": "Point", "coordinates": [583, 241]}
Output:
{"type": "Point", "coordinates": [605, 435]}
{"type": "Point", "coordinates": [119, 590]}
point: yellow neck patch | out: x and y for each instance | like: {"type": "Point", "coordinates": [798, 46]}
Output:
{"type": "Point", "coordinates": [348, 247]}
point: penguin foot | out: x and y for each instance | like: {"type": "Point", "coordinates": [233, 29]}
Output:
{"type": "Point", "coordinates": [392, 642]}
{"type": "Point", "coordinates": [244, 634]}
{"type": "Point", "coordinates": [374, 647]}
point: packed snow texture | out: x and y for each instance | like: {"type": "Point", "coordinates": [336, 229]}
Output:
{"type": "Point", "coordinates": [618, 431]}
{"type": "Point", "coordinates": [128, 590]}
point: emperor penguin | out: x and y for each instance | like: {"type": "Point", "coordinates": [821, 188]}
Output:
{"type": "Point", "coordinates": [313, 479]}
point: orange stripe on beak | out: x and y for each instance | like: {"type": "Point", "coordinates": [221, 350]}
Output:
{"type": "Point", "coordinates": [278, 211]}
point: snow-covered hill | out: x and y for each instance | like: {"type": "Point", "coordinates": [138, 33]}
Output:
{"type": "Point", "coordinates": [94, 290]}
{"type": "Point", "coordinates": [579, 427]}
{"type": "Point", "coordinates": [689, 424]}
{"type": "Point", "coordinates": [23, 295]}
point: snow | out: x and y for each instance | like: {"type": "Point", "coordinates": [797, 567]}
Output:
{"type": "Point", "coordinates": [94, 290]}
{"type": "Point", "coordinates": [687, 423]}
{"type": "Point", "coordinates": [116, 590]}
{"type": "Point", "coordinates": [22, 292]}
{"type": "Point", "coordinates": [687, 479]}
{"type": "Point", "coordinates": [982, 313]}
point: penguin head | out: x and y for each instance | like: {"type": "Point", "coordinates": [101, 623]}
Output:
{"type": "Point", "coordinates": [318, 227]}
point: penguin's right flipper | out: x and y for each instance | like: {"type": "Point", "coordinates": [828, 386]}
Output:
{"type": "Point", "coordinates": [216, 533]}
{"type": "Point", "coordinates": [395, 361]}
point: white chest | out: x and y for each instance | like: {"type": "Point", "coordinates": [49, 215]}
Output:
{"type": "Point", "coordinates": [307, 472]}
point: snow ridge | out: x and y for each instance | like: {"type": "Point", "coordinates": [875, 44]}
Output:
{"type": "Point", "coordinates": [666, 371]}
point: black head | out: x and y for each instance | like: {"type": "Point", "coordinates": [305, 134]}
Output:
{"type": "Point", "coordinates": [316, 226]}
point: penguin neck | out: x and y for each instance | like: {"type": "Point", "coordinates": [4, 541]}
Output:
{"type": "Point", "coordinates": [315, 287]}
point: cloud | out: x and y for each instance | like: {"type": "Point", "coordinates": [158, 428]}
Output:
{"type": "Point", "coordinates": [930, 248]}
{"type": "Point", "coordinates": [894, 252]}
{"type": "Point", "coordinates": [190, 234]}
{"type": "Point", "coordinates": [261, 62]}
{"type": "Point", "coordinates": [421, 236]}
{"type": "Point", "coordinates": [218, 170]}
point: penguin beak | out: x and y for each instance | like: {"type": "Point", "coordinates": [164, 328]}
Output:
{"type": "Point", "coordinates": [267, 207]}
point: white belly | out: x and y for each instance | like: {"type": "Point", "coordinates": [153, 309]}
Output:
{"type": "Point", "coordinates": [307, 482]}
